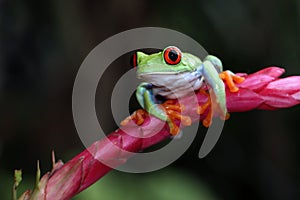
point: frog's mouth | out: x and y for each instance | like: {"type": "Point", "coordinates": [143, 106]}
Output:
{"type": "Point", "coordinates": [171, 79]}
{"type": "Point", "coordinates": [169, 75]}
{"type": "Point", "coordinates": [158, 74]}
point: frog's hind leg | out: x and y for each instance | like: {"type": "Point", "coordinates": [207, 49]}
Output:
{"type": "Point", "coordinates": [208, 106]}
{"type": "Point", "coordinates": [203, 108]}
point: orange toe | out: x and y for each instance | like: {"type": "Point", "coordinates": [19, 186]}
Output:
{"type": "Point", "coordinates": [208, 119]}
{"type": "Point", "coordinates": [230, 80]}
{"type": "Point", "coordinates": [238, 79]}
{"type": "Point", "coordinates": [138, 116]}
{"type": "Point", "coordinates": [125, 121]}
{"type": "Point", "coordinates": [174, 129]}
{"type": "Point", "coordinates": [174, 113]}
{"type": "Point", "coordinates": [201, 109]}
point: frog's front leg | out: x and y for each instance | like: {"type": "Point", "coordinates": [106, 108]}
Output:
{"type": "Point", "coordinates": [213, 73]}
{"type": "Point", "coordinates": [217, 97]}
{"type": "Point", "coordinates": [166, 111]}
{"type": "Point", "coordinates": [146, 99]}
{"type": "Point", "coordinates": [216, 62]}
{"type": "Point", "coordinates": [227, 76]}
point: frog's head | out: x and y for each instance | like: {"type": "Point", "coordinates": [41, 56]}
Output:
{"type": "Point", "coordinates": [167, 62]}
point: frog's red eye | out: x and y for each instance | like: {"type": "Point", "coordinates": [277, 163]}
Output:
{"type": "Point", "coordinates": [133, 60]}
{"type": "Point", "coordinates": [172, 55]}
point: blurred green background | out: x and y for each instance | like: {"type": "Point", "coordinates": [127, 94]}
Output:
{"type": "Point", "coordinates": [42, 44]}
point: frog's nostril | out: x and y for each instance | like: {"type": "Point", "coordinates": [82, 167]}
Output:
{"type": "Point", "coordinates": [133, 60]}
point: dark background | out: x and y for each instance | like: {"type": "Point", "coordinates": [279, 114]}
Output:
{"type": "Point", "coordinates": [42, 45]}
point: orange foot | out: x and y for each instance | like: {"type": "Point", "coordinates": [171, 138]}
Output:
{"type": "Point", "coordinates": [173, 111]}
{"type": "Point", "coordinates": [138, 116]}
{"type": "Point", "coordinates": [230, 79]}
{"type": "Point", "coordinates": [201, 109]}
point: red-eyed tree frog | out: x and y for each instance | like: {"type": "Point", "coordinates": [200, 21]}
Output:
{"type": "Point", "coordinates": [172, 74]}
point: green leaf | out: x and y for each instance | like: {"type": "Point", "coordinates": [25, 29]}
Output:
{"type": "Point", "coordinates": [17, 181]}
